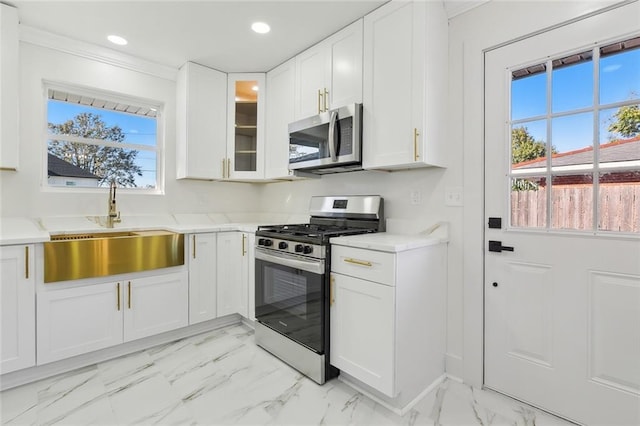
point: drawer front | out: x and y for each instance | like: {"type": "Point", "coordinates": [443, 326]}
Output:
{"type": "Point", "coordinates": [366, 264]}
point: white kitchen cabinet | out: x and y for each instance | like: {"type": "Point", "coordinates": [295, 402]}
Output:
{"type": "Point", "coordinates": [329, 74]}
{"type": "Point", "coordinates": [233, 273]}
{"type": "Point", "coordinates": [280, 110]}
{"type": "Point", "coordinates": [250, 279]}
{"type": "Point", "coordinates": [9, 76]}
{"type": "Point", "coordinates": [202, 257]}
{"type": "Point", "coordinates": [405, 86]}
{"type": "Point", "coordinates": [17, 304]}
{"type": "Point", "coordinates": [155, 305]}
{"type": "Point", "coordinates": [244, 158]}
{"type": "Point", "coordinates": [387, 316]}
{"type": "Point", "coordinates": [201, 122]}
{"type": "Point", "coordinates": [76, 320]}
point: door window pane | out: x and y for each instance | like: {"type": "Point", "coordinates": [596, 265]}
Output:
{"type": "Point", "coordinates": [528, 146]}
{"type": "Point", "coordinates": [529, 202]}
{"type": "Point", "coordinates": [572, 82]}
{"type": "Point", "coordinates": [529, 92]}
{"type": "Point", "coordinates": [572, 141]}
{"type": "Point", "coordinates": [620, 71]}
{"type": "Point", "coordinates": [619, 199]}
{"type": "Point", "coordinates": [572, 202]}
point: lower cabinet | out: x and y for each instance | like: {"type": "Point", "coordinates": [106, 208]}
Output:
{"type": "Point", "coordinates": [202, 256]}
{"type": "Point", "coordinates": [233, 273]}
{"type": "Point", "coordinates": [362, 330]}
{"type": "Point", "coordinates": [77, 320]}
{"type": "Point", "coordinates": [17, 308]}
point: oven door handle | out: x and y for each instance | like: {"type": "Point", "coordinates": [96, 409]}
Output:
{"type": "Point", "coordinates": [315, 266]}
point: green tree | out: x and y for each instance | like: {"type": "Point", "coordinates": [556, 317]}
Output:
{"type": "Point", "coordinates": [108, 163]}
{"type": "Point", "coordinates": [627, 121]}
{"type": "Point", "coordinates": [524, 147]}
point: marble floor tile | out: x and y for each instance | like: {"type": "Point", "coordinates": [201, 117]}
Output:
{"type": "Point", "coordinates": [222, 378]}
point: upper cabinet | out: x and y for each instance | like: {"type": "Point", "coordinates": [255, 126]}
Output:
{"type": "Point", "coordinates": [280, 112]}
{"type": "Point", "coordinates": [201, 122]}
{"type": "Point", "coordinates": [329, 74]}
{"type": "Point", "coordinates": [9, 65]}
{"type": "Point", "coordinates": [405, 85]}
{"type": "Point", "coordinates": [245, 134]}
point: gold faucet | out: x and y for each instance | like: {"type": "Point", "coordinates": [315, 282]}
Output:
{"type": "Point", "coordinates": [114, 214]}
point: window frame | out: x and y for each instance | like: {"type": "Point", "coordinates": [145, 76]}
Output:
{"type": "Point", "coordinates": [120, 98]}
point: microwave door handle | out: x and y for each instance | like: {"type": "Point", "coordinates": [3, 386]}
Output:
{"type": "Point", "coordinates": [332, 136]}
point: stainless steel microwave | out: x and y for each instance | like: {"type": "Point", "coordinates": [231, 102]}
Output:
{"type": "Point", "coordinates": [329, 142]}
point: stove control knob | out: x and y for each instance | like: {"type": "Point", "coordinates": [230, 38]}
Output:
{"type": "Point", "coordinates": [299, 248]}
{"type": "Point", "coordinates": [268, 243]}
{"type": "Point", "coordinates": [282, 245]}
{"type": "Point", "coordinates": [308, 250]}
{"type": "Point", "coordinates": [261, 241]}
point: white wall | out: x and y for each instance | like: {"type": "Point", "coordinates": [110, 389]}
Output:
{"type": "Point", "coordinates": [22, 191]}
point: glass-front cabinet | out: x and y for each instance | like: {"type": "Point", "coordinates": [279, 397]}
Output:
{"type": "Point", "coordinates": [245, 113]}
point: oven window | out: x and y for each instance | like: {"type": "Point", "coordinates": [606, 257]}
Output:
{"type": "Point", "coordinates": [286, 290]}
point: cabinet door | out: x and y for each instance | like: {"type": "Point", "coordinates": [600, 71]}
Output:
{"type": "Point", "coordinates": [245, 133]}
{"type": "Point", "coordinates": [312, 77]}
{"type": "Point", "coordinates": [230, 272]}
{"type": "Point", "coordinates": [202, 277]}
{"type": "Point", "coordinates": [9, 76]}
{"type": "Point", "coordinates": [78, 320]}
{"type": "Point", "coordinates": [201, 122]}
{"type": "Point", "coordinates": [281, 82]}
{"type": "Point", "coordinates": [155, 304]}
{"type": "Point", "coordinates": [363, 330]}
{"type": "Point", "coordinates": [393, 85]}
{"type": "Point", "coordinates": [17, 308]}
{"type": "Point", "coordinates": [346, 66]}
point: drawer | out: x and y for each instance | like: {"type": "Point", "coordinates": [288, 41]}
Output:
{"type": "Point", "coordinates": [369, 265]}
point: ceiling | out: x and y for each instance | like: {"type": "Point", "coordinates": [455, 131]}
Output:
{"type": "Point", "coordinates": [214, 33]}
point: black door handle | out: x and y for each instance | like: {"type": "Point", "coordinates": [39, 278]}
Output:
{"type": "Point", "coordinates": [497, 247]}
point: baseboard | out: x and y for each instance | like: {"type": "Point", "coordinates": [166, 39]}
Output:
{"type": "Point", "coordinates": [32, 374]}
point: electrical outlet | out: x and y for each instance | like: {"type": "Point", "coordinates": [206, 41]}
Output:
{"type": "Point", "coordinates": [416, 197]}
{"type": "Point", "coordinates": [453, 196]}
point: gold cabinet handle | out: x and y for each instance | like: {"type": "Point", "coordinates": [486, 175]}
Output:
{"type": "Point", "coordinates": [223, 166]}
{"type": "Point", "coordinates": [415, 144]}
{"type": "Point", "coordinates": [118, 295]}
{"type": "Point", "coordinates": [319, 101]}
{"type": "Point", "coordinates": [331, 284]}
{"type": "Point", "coordinates": [26, 262]}
{"type": "Point", "coordinates": [129, 295]}
{"type": "Point", "coordinates": [194, 246]}
{"type": "Point", "coordinates": [228, 168]}
{"type": "Point", "coordinates": [326, 99]}
{"type": "Point", "coordinates": [358, 262]}
{"type": "Point", "coordinates": [244, 241]}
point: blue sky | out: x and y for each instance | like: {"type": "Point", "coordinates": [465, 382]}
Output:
{"type": "Point", "coordinates": [137, 129]}
{"type": "Point", "coordinates": [572, 88]}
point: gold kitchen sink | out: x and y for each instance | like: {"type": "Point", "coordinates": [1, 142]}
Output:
{"type": "Point", "coordinates": [90, 255]}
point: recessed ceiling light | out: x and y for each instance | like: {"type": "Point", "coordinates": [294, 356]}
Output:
{"type": "Point", "coordinates": [260, 27]}
{"type": "Point", "coordinates": [120, 41]}
{"type": "Point", "coordinates": [254, 88]}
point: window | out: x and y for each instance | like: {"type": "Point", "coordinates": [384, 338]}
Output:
{"type": "Point", "coordinates": [575, 141]}
{"type": "Point", "coordinates": [96, 138]}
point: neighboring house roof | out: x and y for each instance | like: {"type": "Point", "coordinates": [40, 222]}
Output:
{"type": "Point", "coordinates": [59, 167]}
{"type": "Point", "coordinates": [612, 152]}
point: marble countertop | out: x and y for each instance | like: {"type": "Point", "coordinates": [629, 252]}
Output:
{"type": "Point", "coordinates": [17, 230]}
{"type": "Point", "coordinates": [394, 243]}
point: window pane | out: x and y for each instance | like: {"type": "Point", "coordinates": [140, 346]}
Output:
{"type": "Point", "coordinates": [528, 146]}
{"type": "Point", "coordinates": [78, 164]}
{"type": "Point", "coordinates": [572, 141]}
{"type": "Point", "coordinates": [619, 123]}
{"type": "Point", "coordinates": [619, 74]}
{"type": "Point", "coordinates": [529, 202]}
{"type": "Point", "coordinates": [572, 82]}
{"type": "Point", "coordinates": [529, 95]}
{"type": "Point", "coordinates": [572, 202]}
{"type": "Point", "coordinates": [619, 198]}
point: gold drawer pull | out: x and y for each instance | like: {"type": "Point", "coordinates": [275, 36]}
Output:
{"type": "Point", "coordinates": [129, 291]}
{"type": "Point", "coordinates": [416, 155]}
{"type": "Point", "coordinates": [26, 262]}
{"type": "Point", "coordinates": [358, 262]}
{"type": "Point", "coordinates": [331, 284]}
{"type": "Point", "coordinates": [118, 292]}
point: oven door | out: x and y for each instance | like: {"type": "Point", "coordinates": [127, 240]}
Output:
{"type": "Point", "coordinates": [290, 294]}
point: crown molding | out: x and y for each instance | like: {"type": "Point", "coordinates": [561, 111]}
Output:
{"type": "Point", "coordinates": [94, 52]}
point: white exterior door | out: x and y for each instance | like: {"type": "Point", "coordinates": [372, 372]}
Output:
{"type": "Point", "coordinates": [562, 310]}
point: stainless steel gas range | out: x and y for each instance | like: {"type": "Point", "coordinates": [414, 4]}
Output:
{"type": "Point", "coordinates": [292, 279]}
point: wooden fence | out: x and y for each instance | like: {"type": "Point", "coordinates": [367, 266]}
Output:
{"type": "Point", "coordinates": [572, 207]}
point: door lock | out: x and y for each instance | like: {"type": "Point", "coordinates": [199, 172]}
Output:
{"type": "Point", "coordinates": [497, 246]}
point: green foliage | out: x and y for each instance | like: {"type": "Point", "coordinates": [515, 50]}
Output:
{"type": "Point", "coordinates": [627, 122]}
{"type": "Point", "coordinates": [524, 147]}
{"type": "Point", "coordinates": [106, 162]}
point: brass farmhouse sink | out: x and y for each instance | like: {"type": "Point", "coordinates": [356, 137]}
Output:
{"type": "Point", "coordinates": [90, 255]}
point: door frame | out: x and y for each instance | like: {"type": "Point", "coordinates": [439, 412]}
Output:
{"type": "Point", "coordinates": [534, 19]}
